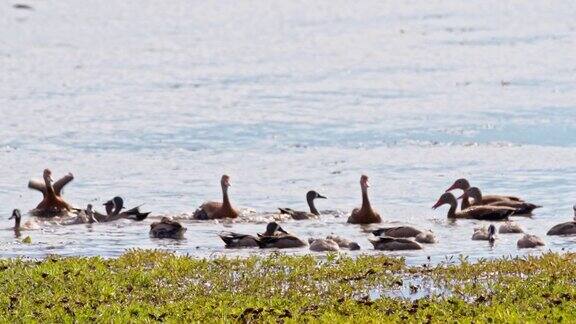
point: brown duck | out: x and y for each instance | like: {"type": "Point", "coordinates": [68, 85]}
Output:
{"type": "Point", "coordinates": [364, 214]}
{"type": "Point", "coordinates": [52, 203]}
{"type": "Point", "coordinates": [464, 185]}
{"type": "Point", "coordinates": [521, 207]}
{"type": "Point", "coordinates": [482, 212]}
{"type": "Point", "coordinates": [217, 210]}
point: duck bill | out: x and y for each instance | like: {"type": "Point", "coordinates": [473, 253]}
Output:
{"type": "Point", "coordinates": [452, 187]}
{"type": "Point", "coordinates": [321, 197]}
{"type": "Point", "coordinates": [438, 204]}
{"type": "Point", "coordinates": [280, 229]}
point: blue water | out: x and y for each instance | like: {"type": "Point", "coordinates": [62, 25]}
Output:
{"type": "Point", "coordinates": [155, 101]}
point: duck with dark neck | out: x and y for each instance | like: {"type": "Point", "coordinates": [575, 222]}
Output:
{"type": "Point", "coordinates": [301, 215]}
{"type": "Point", "coordinates": [216, 210]}
{"type": "Point", "coordinates": [482, 212]}
{"type": "Point", "coordinates": [364, 215]}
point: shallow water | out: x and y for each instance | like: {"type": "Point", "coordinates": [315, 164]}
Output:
{"type": "Point", "coordinates": [154, 102]}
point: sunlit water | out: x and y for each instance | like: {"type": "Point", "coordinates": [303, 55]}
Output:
{"type": "Point", "coordinates": [153, 101]}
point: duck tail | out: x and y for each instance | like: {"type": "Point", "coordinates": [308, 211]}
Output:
{"type": "Point", "coordinates": [284, 210]}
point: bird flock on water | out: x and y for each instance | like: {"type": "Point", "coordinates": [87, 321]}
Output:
{"type": "Point", "coordinates": [474, 205]}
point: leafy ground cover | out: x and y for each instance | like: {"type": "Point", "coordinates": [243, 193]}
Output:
{"type": "Point", "coordinates": [148, 286]}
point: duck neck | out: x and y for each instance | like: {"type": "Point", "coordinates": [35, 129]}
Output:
{"type": "Point", "coordinates": [17, 223]}
{"type": "Point", "coordinates": [118, 209]}
{"type": "Point", "coordinates": [365, 201]}
{"type": "Point", "coordinates": [225, 199]}
{"type": "Point", "coordinates": [465, 202]}
{"type": "Point", "coordinates": [49, 189]}
{"type": "Point", "coordinates": [313, 209]}
{"type": "Point", "coordinates": [452, 210]}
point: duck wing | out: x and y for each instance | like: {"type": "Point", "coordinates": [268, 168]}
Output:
{"type": "Point", "coordinates": [486, 212]}
{"type": "Point", "coordinates": [59, 185]}
{"type": "Point", "coordinates": [563, 229]}
{"type": "Point", "coordinates": [399, 231]}
{"type": "Point", "coordinates": [37, 185]}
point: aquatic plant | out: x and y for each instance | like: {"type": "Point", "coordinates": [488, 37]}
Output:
{"type": "Point", "coordinates": [149, 285]}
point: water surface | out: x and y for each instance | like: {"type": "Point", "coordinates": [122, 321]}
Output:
{"type": "Point", "coordinates": [154, 101]}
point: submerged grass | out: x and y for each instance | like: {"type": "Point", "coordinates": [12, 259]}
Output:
{"type": "Point", "coordinates": [159, 286]}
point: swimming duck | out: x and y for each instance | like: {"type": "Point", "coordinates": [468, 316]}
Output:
{"type": "Point", "coordinates": [483, 234]}
{"type": "Point", "coordinates": [280, 241]}
{"type": "Point", "coordinates": [216, 210]}
{"type": "Point", "coordinates": [52, 203]}
{"type": "Point", "coordinates": [344, 243]}
{"type": "Point", "coordinates": [426, 237]}
{"type": "Point", "coordinates": [387, 243]}
{"type": "Point", "coordinates": [28, 225]}
{"type": "Point", "coordinates": [300, 215]}
{"type": "Point", "coordinates": [464, 185]}
{"type": "Point", "coordinates": [364, 214]}
{"type": "Point", "coordinates": [323, 245]}
{"type": "Point", "coordinates": [510, 228]}
{"type": "Point", "coordinates": [482, 212]}
{"type": "Point", "coordinates": [398, 231]}
{"type": "Point", "coordinates": [236, 240]}
{"type": "Point", "coordinates": [567, 228]}
{"type": "Point", "coordinates": [521, 207]}
{"type": "Point", "coordinates": [529, 241]}
{"type": "Point", "coordinates": [167, 228]}
{"type": "Point", "coordinates": [114, 211]}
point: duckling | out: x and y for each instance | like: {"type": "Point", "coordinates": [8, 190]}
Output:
{"type": "Point", "coordinates": [567, 228]}
{"type": "Point", "coordinates": [399, 231]}
{"type": "Point", "coordinates": [521, 207]}
{"type": "Point", "coordinates": [323, 245]}
{"type": "Point", "coordinates": [529, 241]}
{"type": "Point", "coordinates": [364, 214]}
{"type": "Point", "coordinates": [483, 234]}
{"type": "Point", "coordinates": [300, 215]}
{"type": "Point", "coordinates": [236, 240]}
{"type": "Point", "coordinates": [510, 228]}
{"type": "Point", "coordinates": [482, 212]}
{"type": "Point", "coordinates": [386, 243]}
{"type": "Point", "coordinates": [216, 210]}
{"type": "Point", "coordinates": [344, 243]}
{"type": "Point", "coordinates": [167, 228]}
{"type": "Point", "coordinates": [464, 185]}
{"type": "Point", "coordinates": [52, 204]}
{"type": "Point", "coordinates": [426, 237]}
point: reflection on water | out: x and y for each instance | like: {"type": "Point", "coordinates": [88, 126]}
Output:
{"type": "Point", "coordinates": [414, 95]}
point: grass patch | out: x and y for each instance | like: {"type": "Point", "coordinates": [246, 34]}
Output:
{"type": "Point", "coordinates": [159, 286]}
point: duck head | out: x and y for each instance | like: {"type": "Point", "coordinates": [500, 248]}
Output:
{"type": "Point", "coordinates": [273, 227]}
{"type": "Point", "coordinates": [47, 175]}
{"type": "Point", "coordinates": [472, 192]}
{"type": "Point", "coordinates": [446, 198]}
{"type": "Point", "coordinates": [461, 184]}
{"type": "Point", "coordinates": [17, 216]}
{"type": "Point", "coordinates": [364, 184]}
{"type": "Point", "coordinates": [311, 195]}
{"type": "Point", "coordinates": [225, 182]}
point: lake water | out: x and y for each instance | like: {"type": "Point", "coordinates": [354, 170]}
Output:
{"type": "Point", "coordinates": [154, 101]}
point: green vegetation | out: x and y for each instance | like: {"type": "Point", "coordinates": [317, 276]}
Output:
{"type": "Point", "coordinates": [158, 286]}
